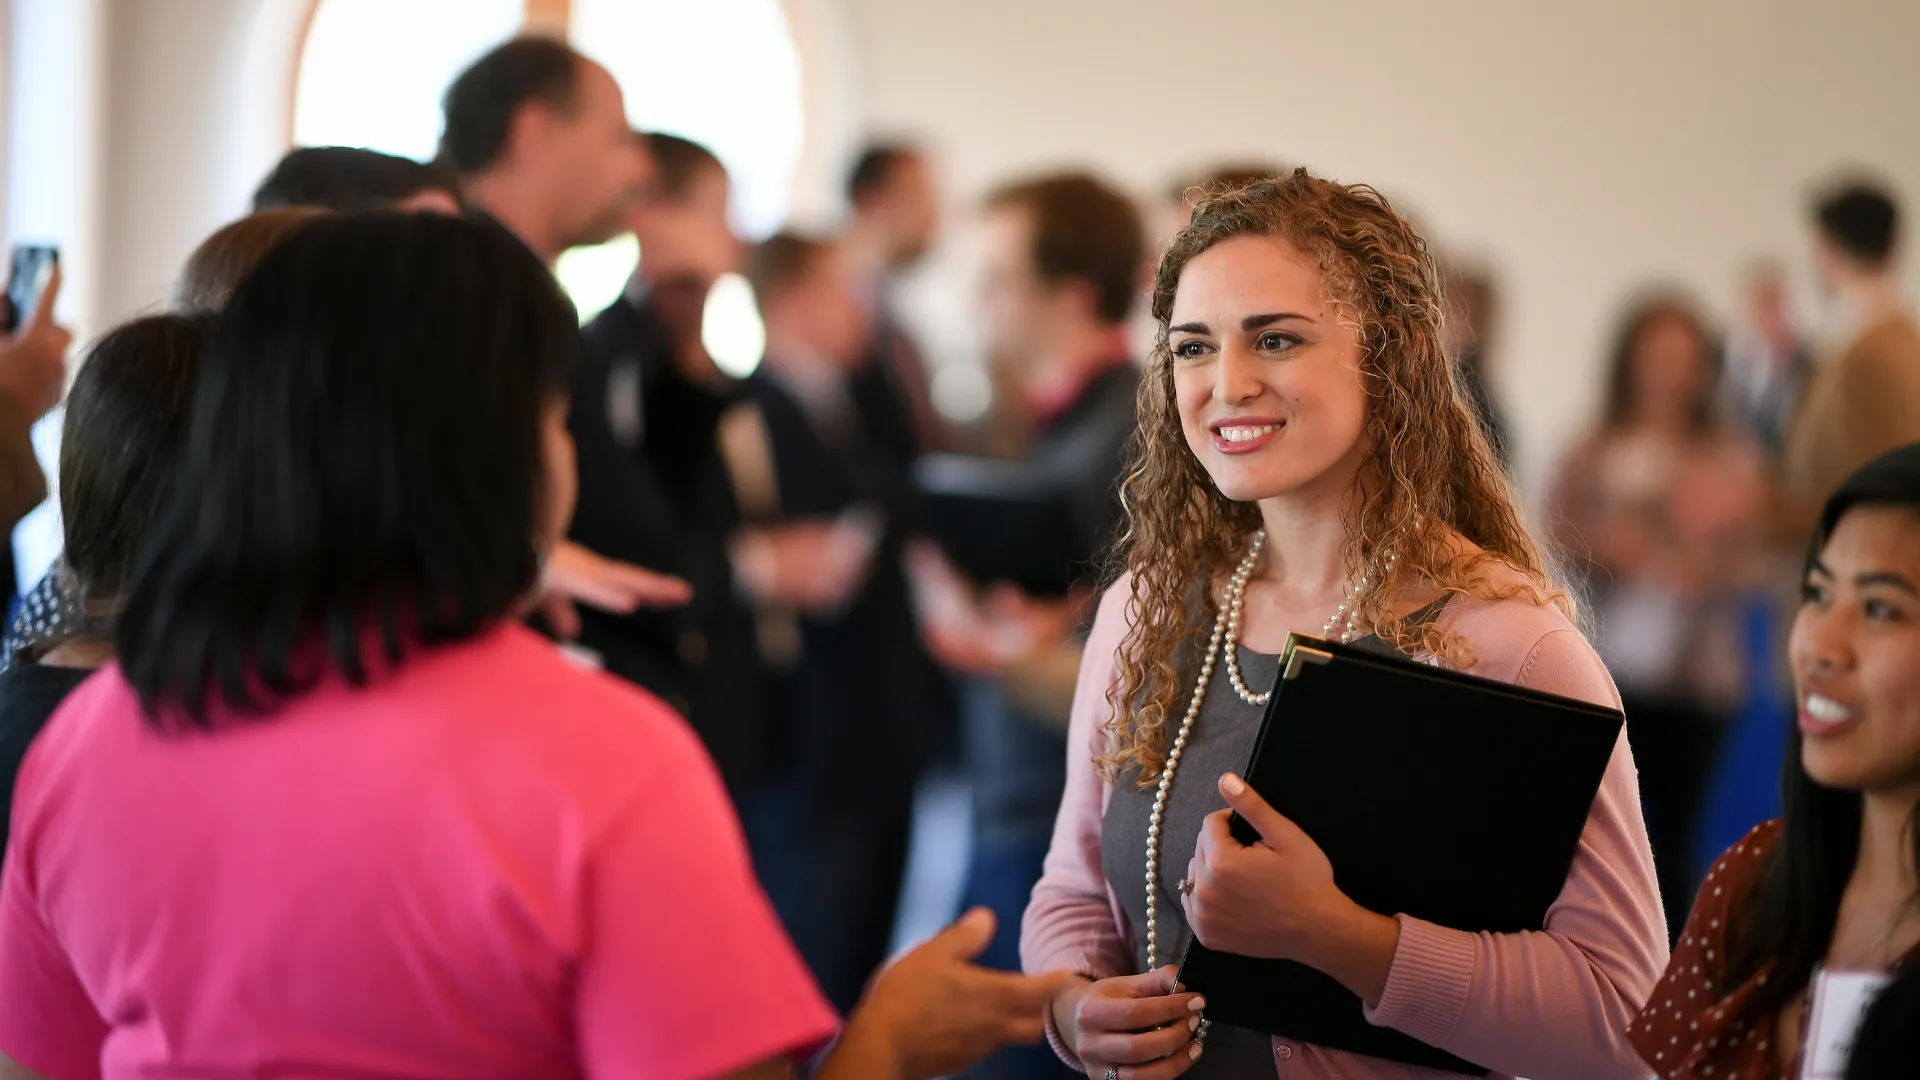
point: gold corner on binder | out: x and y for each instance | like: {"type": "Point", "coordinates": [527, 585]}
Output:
{"type": "Point", "coordinates": [1301, 654]}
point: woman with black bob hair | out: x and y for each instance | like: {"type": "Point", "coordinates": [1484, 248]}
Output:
{"type": "Point", "coordinates": [1828, 896]}
{"type": "Point", "coordinates": [336, 810]}
{"type": "Point", "coordinates": [120, 446]}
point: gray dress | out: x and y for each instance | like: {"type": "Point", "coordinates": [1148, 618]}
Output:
{"type": "Point", "coordinates": [1221, 741]}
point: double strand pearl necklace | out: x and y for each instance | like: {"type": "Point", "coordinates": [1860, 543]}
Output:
{"type": "Point", "coordinates": [1226, 630]}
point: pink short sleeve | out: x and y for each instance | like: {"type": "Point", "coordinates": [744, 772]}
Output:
{"type": "Point", "coordinates": [687, 973]}
{"type": "Point", "coordinates": [48, 1022]}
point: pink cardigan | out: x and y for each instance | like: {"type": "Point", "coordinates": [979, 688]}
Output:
{"type": "Point", "coordinates": [1552, 1005]}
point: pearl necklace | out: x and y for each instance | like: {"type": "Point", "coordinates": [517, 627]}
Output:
{"type": "Point", "coordinates": [1226, 630]}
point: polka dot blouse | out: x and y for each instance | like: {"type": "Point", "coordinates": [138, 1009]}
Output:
{"type": "Point", "coordinates": [47, 613]}
{"type": "Point", "coordinates": [1688, 1030]}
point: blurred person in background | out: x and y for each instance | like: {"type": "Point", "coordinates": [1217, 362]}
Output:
{"type": "Point", "coordinates": [847, 705]}
{"type": "Point", "coordinates": [1660, 511]}
{"type": "Point", "coordinates": [121, 442]}
{"type": "Point", "coordinates": [1060, 275]}
{"type": "Point", "coordinates": [662, 392]}
{"type": "Point", "coordinates": [646, 379]}
{"type": "Point", "coordinates": [1864, 397]}
{"type": "Point", "coordinates": [348, 179]}
{"type": "Point", "coordinates": [538, 135]}
{"type": "Point", "coordinates": [893, 220]}
{"type": "Point", "coordinates": [376, 463]}
{"type": "Point", "coordinates": [207, 280]}
{"type": "Point", "coordinates": [1768, 362]}
{"type": "Point", "coordinates": [1472, 309]}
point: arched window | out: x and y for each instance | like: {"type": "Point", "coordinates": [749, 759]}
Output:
{"type": "Point", "coordinates": [372, 72]}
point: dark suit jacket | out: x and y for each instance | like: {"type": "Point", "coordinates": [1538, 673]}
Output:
{"type": "Point", "coordinates": [654, 493]}
{"type": "Point", "coordinates": [853, 714]}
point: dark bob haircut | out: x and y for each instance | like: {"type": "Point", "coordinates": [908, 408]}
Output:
{"type": "Point", "coordinates": [1795, 902]}
{"type": "Point", "coordinates": [348, 179]}
{"type": "Point", "coordinates": [364, 467]}
{"type": "Point", "coordinates": [121, 445]}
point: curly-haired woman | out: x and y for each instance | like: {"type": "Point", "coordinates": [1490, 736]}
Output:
{"type": "Point", "coordinates": [1305, 463]}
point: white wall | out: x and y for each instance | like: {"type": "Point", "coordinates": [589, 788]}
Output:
{"type": "Point", "coordinates": [1580, 148]}
{"type": "Point", "coordinates": [198, 106]}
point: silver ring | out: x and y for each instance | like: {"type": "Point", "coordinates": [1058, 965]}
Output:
{"type": "Point", "coordinates": [1113, 1072]}
{"type": "Point", "coordinates": [1186, 886]}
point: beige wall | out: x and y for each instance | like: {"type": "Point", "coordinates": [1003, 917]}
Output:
{"type": "Point", "coordinates": [1581, 148]}
{"type": "Point", "coordinates": [198, 101]}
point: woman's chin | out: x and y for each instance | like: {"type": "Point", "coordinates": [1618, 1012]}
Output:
{"type": "Point", "coordinates": [1243, 488]}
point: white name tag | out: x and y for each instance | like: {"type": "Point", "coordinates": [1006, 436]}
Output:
{"type": "Point", "coordinates": [1840, 1001]}
{"type": "Point", "coordinates": [581, 655]}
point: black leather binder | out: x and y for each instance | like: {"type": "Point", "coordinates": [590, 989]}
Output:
{"type": "Point", "coordinates": [1435, 794]}
{"type": "Point", "coordinates": [998, 521]}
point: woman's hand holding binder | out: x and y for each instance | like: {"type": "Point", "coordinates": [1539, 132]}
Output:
{"type": "Point", "coordinates": [1276, 899]}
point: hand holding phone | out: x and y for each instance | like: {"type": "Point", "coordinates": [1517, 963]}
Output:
{"type": "Point", "coordinates": [33, 361]}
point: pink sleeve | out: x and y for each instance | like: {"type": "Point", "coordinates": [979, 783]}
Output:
{"type": "Point", "coordinates": [48, 1022]}
{"type": "Point", "coordinates": [687, 973]}
{"type": "Point", "coordinates": [1555, 1002]}
{"type": "Point", "coordinates": [1070, 924]}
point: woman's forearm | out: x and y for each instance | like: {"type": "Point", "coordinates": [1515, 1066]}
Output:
{"type": "Point", "coordinates": [1358, 950]}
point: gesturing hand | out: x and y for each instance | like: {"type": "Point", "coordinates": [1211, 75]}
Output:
{"type": "Point", "coordinates": [1144, 1024]}
{"type": "Point", "coordinates": [574, 573]}
{"type": "Point", "coordinates": [934, 1012]}
{"type": "Point", "coordinates": [1277, 898]}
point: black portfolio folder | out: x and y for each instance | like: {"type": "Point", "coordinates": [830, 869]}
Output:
{"type": "Point", "coordinates": [1435, 794]}
{"type": "Point", "coordinates": [998, 521]}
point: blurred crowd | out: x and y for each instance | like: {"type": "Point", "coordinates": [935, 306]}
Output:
{"type": "Point", "coordinates": [764, 554]}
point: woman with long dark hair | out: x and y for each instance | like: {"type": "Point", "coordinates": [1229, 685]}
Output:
{"type": "Point", "coordinates": [334, 811]}
{"type": "Point", "coordinates": [1831, 886]}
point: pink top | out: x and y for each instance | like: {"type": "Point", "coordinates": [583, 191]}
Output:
{"type": "Point", "coordinates": [1546, 1004]}
{"type": "Point", "coordinates": [492, 864]}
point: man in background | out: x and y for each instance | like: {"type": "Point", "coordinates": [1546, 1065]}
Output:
{"type": "Point", "coordinates": [1767, 363]}
{"type": "Point", "coordinates": [538, 136]}
{"type": "Point", "coordinates": [893, 221]}
{"type": "Point", "coordinates": [1864, 399]}
{"type": "Point", "coordinates": [847, 709]}
{"type": "Point", "coordinates": [1060, 271]}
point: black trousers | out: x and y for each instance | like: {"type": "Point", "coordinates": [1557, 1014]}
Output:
{"type": "Point", "coordinates": [835, 882]}
{"type": "Point", "coordinates": [1674, 746]}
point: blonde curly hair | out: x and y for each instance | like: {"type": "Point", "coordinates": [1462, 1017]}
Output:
{"type": "Point", "coordinates": [1428, 472]}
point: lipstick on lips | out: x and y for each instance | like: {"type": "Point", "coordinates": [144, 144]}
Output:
{"type": "Point", "coordinates": [1244, 434]}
